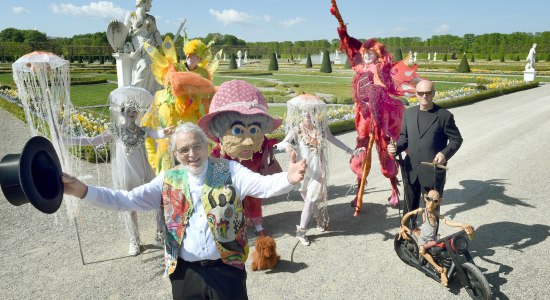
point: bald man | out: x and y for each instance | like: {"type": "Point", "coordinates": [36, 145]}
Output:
{"type": "Point", "coordinates": [429, 134]}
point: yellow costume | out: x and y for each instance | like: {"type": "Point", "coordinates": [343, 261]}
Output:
{"type": "Point", "coordinates": [184, 91]}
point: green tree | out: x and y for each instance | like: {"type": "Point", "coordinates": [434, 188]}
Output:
{"type": "Point", "coordinates": [347, 64]}
{"type": "Point", "coordinates": [489, 57]}
{"type": "Point", "coordinates": [273, 64]}
{"type": "Point", "coordinates": [502, 57]}
{"type": "Point", "coordinates": [12, 35]}
{"type": "Point", "coordinates": [34, 36]}
{"type": "Point", "coordinates": [308, 61]}
{"type": "Point", "coordinates": [464, 67]}
{"type": "Point", "coordinates": [397, 55]}
{"type": "Point", "coordinates": [473, 58]}
{"type": "Point", "coordinates": [325, 65]}
{"type": "Point", "coordinates": [232, 62]}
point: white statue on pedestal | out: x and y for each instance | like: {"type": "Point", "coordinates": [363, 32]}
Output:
{"type": "Point", "coordinates": [321, 59]}
{"type": "Point", "coordinates": [531, 58]}
{"type": "Point", "coordinates": [142, 27]}
{"type": "Point", "coordinates": [429, 55]}
{"type": "Point", "coordinates": [435, 56]}
{"type": "Point", "coordinates": [414, 56]}
{"type": "Point", "coordinates": [224, 57]}
{"type": "Point", "coordinates": [336, 56]}
{"type": "Point", "coordinates": [239, 56]}
{"type": "Point", "coordinates": [245, 56]}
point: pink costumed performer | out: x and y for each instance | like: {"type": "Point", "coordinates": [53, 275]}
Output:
{"type": "Point", "coordinates": [376, 84]}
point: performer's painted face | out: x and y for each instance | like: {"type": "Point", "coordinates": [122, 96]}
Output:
{"type": "Point", "coordinates": [192, 61]}
{"type": "Point", "coordinates": [370, 56]}
{"type": "Point", "coordinates": [241, 140]}
{"type": "Point", "coordinates": [130, 114]}
{"type": "Point", "coordinates": [191, 151]}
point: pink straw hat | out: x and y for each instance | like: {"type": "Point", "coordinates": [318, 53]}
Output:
{"type": "Point", "coordinates": [238, 96]}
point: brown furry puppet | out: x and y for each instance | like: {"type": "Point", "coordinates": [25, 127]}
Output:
{"type": "Point", "coordinates": [265, 257]}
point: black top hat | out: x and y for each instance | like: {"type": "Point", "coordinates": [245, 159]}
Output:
{"type": "Point", "coordinates": [33, 176]}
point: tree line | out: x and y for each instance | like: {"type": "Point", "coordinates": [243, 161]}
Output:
{"type": "Point", "coordinates": [95, 46]}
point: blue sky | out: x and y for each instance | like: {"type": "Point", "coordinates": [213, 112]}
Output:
{"type": "Point", "coordinates": [285, 20]}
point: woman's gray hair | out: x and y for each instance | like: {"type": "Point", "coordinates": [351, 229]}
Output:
{"type": "Point", "coordinates": [223, 121]}
{"type": "Point", "coordinates": [186, 128]}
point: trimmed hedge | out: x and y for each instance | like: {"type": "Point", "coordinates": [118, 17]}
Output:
{"type": "Point", "coordinates": [485, 95]}
{"type": "Point", "coordinates": [273, 64]}
{"type": "Point", "coordinates": [325, 66]}
{"type": "Point", "coordinates": [308, 61]}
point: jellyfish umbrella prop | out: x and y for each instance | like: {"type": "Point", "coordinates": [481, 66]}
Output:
{"type": "Point", "coordinates": [43, 85]}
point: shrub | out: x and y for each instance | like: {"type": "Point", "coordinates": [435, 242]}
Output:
{"type": "Point", "coordinates": [489, 57]}
{"type": "Point", "coordinates": [325, 66]}
{"type": "Point", "coordinates": [347, 64]}
{"type": "Point", "coordinates": [308, 61]}
{"type": "Point", "coordinates": [502, 57]}
{"type": "Point", "coordinates": [232, 62]}
{"type": "Point", "coordinates": [445, 57]}
{"type": "Point", "coordinates": [473, 58]}
{"type": "Point", "coordinates": [397, 55]}
{"type": "Point", "coordinates": [464, 67]}
{"type": "Point", "coordinates": [273, 64]}
{"type": "Point", "coordinates": [517, 58]}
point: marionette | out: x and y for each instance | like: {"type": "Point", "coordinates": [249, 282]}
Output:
{"type": "Point", "coordinates": [428, 231]}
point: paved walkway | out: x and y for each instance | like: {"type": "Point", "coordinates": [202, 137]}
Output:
{"type": "Point", "coordinates": [498, 182]}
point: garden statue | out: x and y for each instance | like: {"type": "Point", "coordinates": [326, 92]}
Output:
{"type": "Point", "coordinates": [429, 55]}
{"type": "Point", "coordinates": [414, 57]}
{"type": "Point", "coordinates": [239, 56]}
{"type": "Point", "coordinates": [142, 28]}
{"type": "Point", "coordinates": [245, 56]}
{"type": "Point", "coordinates": [435, 56]}
{"type": "Point", "coordinates": [531, 58]}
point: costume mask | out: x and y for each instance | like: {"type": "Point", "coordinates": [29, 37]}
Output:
{"type": "Point", "coordinates": [370, 57]}
{"type": "Point", "coordinates": [241, 141]}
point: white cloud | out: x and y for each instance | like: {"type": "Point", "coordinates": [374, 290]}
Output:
{"type": "Point", "coordinates": [20, 10]}
{"type": "Point", "coordinates": [290, 22]}
{"type": "Point", "coordinates": [267, 18]}
{"type": "Point", "coordinates": [101, 9]}
{"type": "Point", "coordinates": [442, 29]}
{"type": "Point", "coordinates": [231, 16]}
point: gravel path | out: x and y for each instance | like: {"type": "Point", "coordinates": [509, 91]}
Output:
{"type": "Point", "coordinates": [498, 182]}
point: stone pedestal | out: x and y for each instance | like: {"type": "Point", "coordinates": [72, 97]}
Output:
{"type": "Point", "coordinates": [123, 68]}
{"type": "Point", "coordinates": [529, 75]}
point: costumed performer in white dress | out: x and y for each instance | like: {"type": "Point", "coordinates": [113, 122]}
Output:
{"type": "Point", "coordinates": [307, 130]}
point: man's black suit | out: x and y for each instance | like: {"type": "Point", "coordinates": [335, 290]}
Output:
{"type": "Point", "coordinates": [439, 134]}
